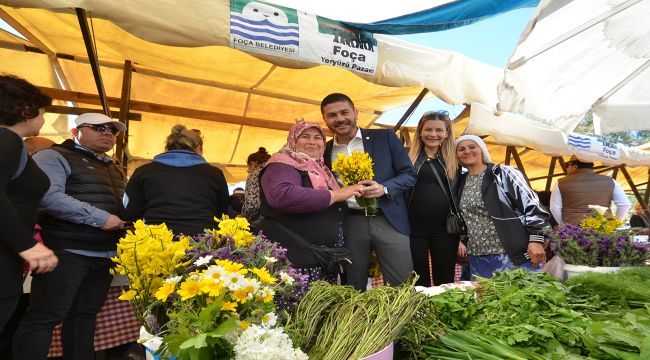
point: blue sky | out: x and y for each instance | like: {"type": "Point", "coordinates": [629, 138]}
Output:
{"type": "Point", "coordinates": [490, 41]}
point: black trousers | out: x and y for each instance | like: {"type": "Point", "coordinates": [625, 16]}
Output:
{"type": "Point", "coordinates": [73, 293]}
{"type": "Point", "coordinates": [443, 248]}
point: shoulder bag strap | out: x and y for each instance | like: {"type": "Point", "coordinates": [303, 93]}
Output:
{"type": "Point", "coordinates": [452, 203]}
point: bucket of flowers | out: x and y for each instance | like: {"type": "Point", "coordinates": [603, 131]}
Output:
{"type": "Point", "coordinates": [597, 245]}
{"type": "Point", "coordinates": [217, 295]}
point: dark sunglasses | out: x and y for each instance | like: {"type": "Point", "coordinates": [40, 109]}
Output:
{"type": "Point", "coordinates": [101, 128]}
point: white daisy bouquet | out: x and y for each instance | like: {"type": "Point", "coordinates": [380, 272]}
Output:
{"type": "Point", "coordinates": [215, 286]}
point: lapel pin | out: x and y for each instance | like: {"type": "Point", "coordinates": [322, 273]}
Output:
{"type": "Point", "coordinates": [367, 137]}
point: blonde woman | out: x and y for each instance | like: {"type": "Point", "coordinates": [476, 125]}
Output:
{"type": "Point", "coordinates": [432, 199]}
{"type": "Point", "coordinates": [178, 187]}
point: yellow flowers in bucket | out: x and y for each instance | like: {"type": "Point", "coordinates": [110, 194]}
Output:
{"type": "Point", "coordinates": [148, 255]}
{"type": "Point", "coordinates": [200, 293]}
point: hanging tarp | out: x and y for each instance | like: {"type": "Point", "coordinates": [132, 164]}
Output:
{"type": "Point", "coordinates": [516, 130]}
{"type": "Point", "coordinates": [182, 57]}
{"type": "Point", "coordinates": [205, 24]}
{"type": "Point", "coordinates": [582, 55]}
{"type": "Point", "coordinates": [448, 15]}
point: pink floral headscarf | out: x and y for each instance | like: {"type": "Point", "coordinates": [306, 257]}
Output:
{"type": "Point", "coordinates": [321, 177]}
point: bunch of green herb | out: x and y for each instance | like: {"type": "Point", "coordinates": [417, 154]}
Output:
{"type": "Point", "coordinates": [474, 345]}
{"type": "Point", "coordinates": [629, 288]}
{"type": "Point", "coordinates": [455, 307]}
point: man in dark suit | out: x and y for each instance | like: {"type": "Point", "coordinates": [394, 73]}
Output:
{"type": "Point", "coordinates": [388, 232]}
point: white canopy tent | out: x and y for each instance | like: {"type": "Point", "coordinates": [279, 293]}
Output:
{"type": "Point", "coordinates": [184, 70]}
{"type": "Point", "coordinates": [582, 55]}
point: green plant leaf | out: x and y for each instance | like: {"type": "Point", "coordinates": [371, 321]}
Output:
{"type": "Point", "coordinates": [197, 342]}
{"type": "Point", "coordinates": [224, 328]}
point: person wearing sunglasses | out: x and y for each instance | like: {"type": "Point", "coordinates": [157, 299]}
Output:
{"type": "Point", "coordinates": [80, 219]}
{"type": "Point", "coordinates": [433, 199]}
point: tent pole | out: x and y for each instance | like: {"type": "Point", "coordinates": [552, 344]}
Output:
{"type": "Point", "coordinates": [411, 108]}
{"type": "Point", "coordinates": [647, 188]}
{"type": "Point", "coordinates": [520, 164]}
{"type": "Point", "coordinates": [562, 164]}
{"type": "Point", "coordinates": [551, 171]}
{"type": "Point", "coordinates": [121, 150]}
{"type": "Point", "coordinates": [615, 174]}
{"type": "Point", "coordinates": [639, 198]}
{"type": "Point", "coordinates": [507, 159]}
{"type": "Point", "coordinates": [54, 60]}
{"type": "Point", "coordinates": [92, 56]}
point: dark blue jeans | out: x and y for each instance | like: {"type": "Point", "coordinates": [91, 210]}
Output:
{"type": "Point", "coordinates": [73, 293]}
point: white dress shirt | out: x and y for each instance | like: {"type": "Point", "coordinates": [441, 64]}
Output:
{"type": "Point", "coordinates": [356, 144]}
{"type": "Point", "coordinates": [623, 204]}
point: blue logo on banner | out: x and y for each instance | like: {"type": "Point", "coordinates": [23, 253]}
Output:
{"type": "Point", "coordinates": [578, 141]}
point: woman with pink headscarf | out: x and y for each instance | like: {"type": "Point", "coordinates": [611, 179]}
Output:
{"type": "Point", "coordinates": [301, 202]}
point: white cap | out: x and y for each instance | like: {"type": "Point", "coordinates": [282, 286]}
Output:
{"type": "Point", "coordinates": [98, 119]}
{"type": "Point", "coordinates": [486, 155]}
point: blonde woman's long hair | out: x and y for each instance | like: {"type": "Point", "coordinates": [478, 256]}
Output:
{"type": "Point", "coordinates": [448, 147]}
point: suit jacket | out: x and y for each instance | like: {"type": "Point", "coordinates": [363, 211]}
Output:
{"type": "Point", "coordinates": [392, 168]}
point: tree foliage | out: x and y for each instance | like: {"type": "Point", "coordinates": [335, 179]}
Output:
{"type": "Point", "coordinates": [629, 138]}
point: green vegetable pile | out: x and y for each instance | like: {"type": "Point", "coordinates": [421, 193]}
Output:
{"type": "Point", "coordinates": [334, 322]}
{"type": "Point", "coordinates": [523, 315]}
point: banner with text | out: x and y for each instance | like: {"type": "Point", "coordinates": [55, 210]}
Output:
{"type": "Point", "coordinates": [259, 27]}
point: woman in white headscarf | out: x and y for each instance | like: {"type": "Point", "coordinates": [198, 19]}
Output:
{"type": "Point", "coordinates": [503, 214]}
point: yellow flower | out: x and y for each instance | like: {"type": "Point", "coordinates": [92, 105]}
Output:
{"type": "Point", "coordinates": [229, 306]}
{"type": "Point", "coordinates": [147, 255]}
{"type": "Point", "coordinates": [237, 228]}
{"type": "Point", "coordinates": [211, 287]}
{"type": "Point", "coordinates": [164, 291]}
{"type": "Point", "coordinates": [232, 266]}
{"type": "Point", "coordinates": [127, 295]}
{"type": "Point", "coordinates": [244, 324]}
{"type": "Point", "coordinates": [264, 275]}
{"type": "Point", "coordinates": [353, 168]}
{"type": "Point", "coordinates": [266, 294]}
{"type": "Point", "coordinates": [240, 295]}
{"type": "Point", "coordinates": [189, 289]}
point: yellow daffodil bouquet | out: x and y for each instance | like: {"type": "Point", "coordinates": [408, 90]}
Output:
{"type": "Point", "coordinates": [352, 169]}
{"type": "Point", "coordinates": [212, 288]}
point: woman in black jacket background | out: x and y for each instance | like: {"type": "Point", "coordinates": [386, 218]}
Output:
{"type": "Point", "coordinates": [504, 216]}
{"type": "Point", "coordinates": [433, 153]}
{"type": "Point", "coordinates": [22, 185]}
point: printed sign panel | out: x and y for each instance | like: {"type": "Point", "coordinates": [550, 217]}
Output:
{"type": "Point", "coordinates": [256, 26]}
{"type": "Point", "coordinates": [594, 146]}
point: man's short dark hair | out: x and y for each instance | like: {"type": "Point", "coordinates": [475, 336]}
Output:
{"type": "Point", "coordinates": [582, 165]}
{"type": "Point", "coordinates": [19, 100]}
{"type": "Point", "coordinates": [335, 97]}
